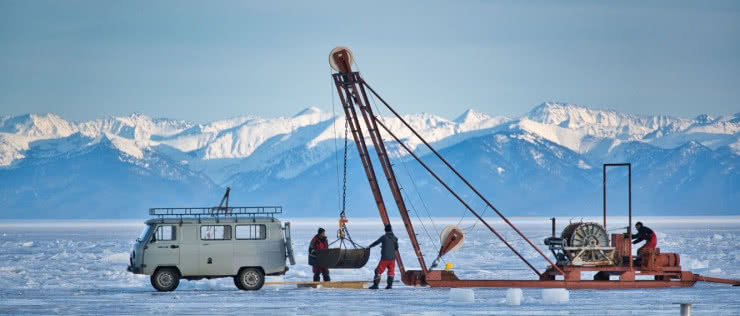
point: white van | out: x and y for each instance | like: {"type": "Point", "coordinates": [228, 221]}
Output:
{"type": "Point", "coordinates": [246, 243]}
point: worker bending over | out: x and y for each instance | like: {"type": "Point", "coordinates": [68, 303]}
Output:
{"type": "Point", "coordinates": [388, 245]}
{"type": "Point", "coordinates": [646, 234]}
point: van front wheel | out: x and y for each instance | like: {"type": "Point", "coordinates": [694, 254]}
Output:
{"type": "Point", "coordinates": [251, 279]}
{"type": "Point", "coordinates": [165, 279]}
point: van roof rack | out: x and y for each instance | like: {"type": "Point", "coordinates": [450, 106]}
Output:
{"type": "Point", "coordinates": [223, 209]}
{"type": "Point", "coordinates": [216, 211]}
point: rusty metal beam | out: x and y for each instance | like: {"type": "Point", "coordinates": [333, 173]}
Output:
{"type": "Point", "coordinates": [461, 177]}
{"type": "Point", "coordinates": [716, 280]}
{"type": "Point", "coordinates": [458, 197]}
{"type": "Point", "coordinates": [571, 285]}
{"type": "Point", "coordinates": [354, 124]}
{"type": "Point", "coordinates": [380, 149]}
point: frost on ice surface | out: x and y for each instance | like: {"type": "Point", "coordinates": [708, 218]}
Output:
{"type": "Point", "coordinates": [14, 270]}
{"type": "Point", "coordinates": [555, 296]}
{"type": "Point", "coordinates": [462, 295]}
{"type": "Point", "coordinates": [514, 296]}
{"type": "Point", "coordinates": [80, 268]}
{"type": "Point", "coordinates": [696, 264]}
{"type": "Point", "coordinates": [121, 257]}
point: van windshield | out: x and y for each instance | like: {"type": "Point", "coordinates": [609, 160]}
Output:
{"type": "Point", "coordinates": [145, 232]}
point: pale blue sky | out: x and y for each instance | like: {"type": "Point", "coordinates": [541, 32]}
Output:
{"type": "Point", "coordinates": [210, 60]}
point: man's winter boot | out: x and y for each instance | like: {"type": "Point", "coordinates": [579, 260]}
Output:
{"type": "Point", "coordinates": [390, 283]}
{"type": "Point", "coordinates": [376, 281]}
{"type": "Point", "coordinates": [316, 277]}
{"type": "Point", "coordinates": [326, 277]}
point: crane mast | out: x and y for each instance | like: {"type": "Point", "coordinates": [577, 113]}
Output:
{"type": "Point", "coordinates": [353, 96]}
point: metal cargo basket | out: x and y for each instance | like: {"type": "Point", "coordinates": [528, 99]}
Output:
{"type": "Point", "coordinates": [342, 258]}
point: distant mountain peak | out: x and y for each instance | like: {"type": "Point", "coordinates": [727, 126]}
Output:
{"type": "Point", "coordinates": [549, 105]}
{"type": "Point", "coordinates": [471, 115]}
{"type": "Point", "coordinates": [36, 125]}
{"type": "Point", "coordinates": [704, 119]}
{"type": "Point", "coordinates": [549, 110]}
{"type": "Point", "coordinates": [308, 111]}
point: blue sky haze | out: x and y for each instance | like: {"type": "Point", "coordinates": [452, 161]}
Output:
{"type": "Point", "coordinates": [207, 60]}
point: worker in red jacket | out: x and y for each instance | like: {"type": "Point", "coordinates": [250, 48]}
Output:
{"type": "Point", "coordinates": [646, 234]}
{"type": "Point", "coordinates": [317, 243]}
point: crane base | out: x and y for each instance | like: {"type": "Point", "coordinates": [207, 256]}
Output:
{"type": "Point", "coordinates": [449, 279]}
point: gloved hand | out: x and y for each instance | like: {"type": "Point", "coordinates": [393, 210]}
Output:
{"type": "Point", "coordinates": [635, 242]}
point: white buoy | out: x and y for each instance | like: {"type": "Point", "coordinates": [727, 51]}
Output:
{"type": "Point", "coordinates": [555, 296]}
{"type": "Point", "coordinates": [462, 295]}
{"type": "Point", "coordinates": [514, 297]}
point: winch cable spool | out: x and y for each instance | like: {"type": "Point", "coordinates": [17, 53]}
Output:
{"type": "Point", "coordinates": [550, 235]}
{"type": "Point", "coordinates": [587, 243]}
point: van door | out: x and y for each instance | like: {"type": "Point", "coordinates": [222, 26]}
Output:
{"type": "Point", "coordinates": [163, 248]}
{"type": "Point", "coordinates": [216, 252]}
{"type": "Point", "coordinates": [189, 248]}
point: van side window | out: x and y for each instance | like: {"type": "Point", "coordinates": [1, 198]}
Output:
{"type": "Point", "coordinates": [164, 233]}
{"type": "Point", "coordinates": [251, 232]}
{"type": "Point", "coordinates": [215, 232]}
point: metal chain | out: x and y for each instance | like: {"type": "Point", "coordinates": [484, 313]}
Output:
{"type": "Point", "coordinates": [344, 184]}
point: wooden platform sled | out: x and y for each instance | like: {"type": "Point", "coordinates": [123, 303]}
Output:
{"type": "Point", "coordinates": [331, 284]}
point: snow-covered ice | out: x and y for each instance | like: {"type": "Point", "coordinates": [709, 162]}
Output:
{"type": "Point", "coordinates": [80, 268]}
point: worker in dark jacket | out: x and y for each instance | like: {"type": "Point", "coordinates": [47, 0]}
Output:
{"type": "Point", "coordinates": [317, 243]}
{"type": "Point", "coordinates": [646, 234]}
{"type": "Point", "coordinates": [388, 245]}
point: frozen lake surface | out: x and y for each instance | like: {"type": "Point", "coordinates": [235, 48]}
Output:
{"type": "Point", "coordinates": [80, 268]}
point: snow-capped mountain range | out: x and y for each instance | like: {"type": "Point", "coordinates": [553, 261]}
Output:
{"type": "Point", "coordinates": [293, 161]}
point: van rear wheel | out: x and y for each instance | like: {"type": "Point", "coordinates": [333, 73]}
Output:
{"type": "Point", "coordinates": [250, 279]}
{"type": "Point", "coordinates": [165, 279]}
{"type": "Point", "coordinates": [237, 283]}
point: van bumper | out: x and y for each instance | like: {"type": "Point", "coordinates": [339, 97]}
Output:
{"type": "Point", "coordinates": [134, 270]}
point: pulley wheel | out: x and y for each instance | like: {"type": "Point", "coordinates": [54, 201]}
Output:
{"type": "Point", "coordinates": [451, 238]}
{"type": "Point", "coordinates": [333, 63]}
